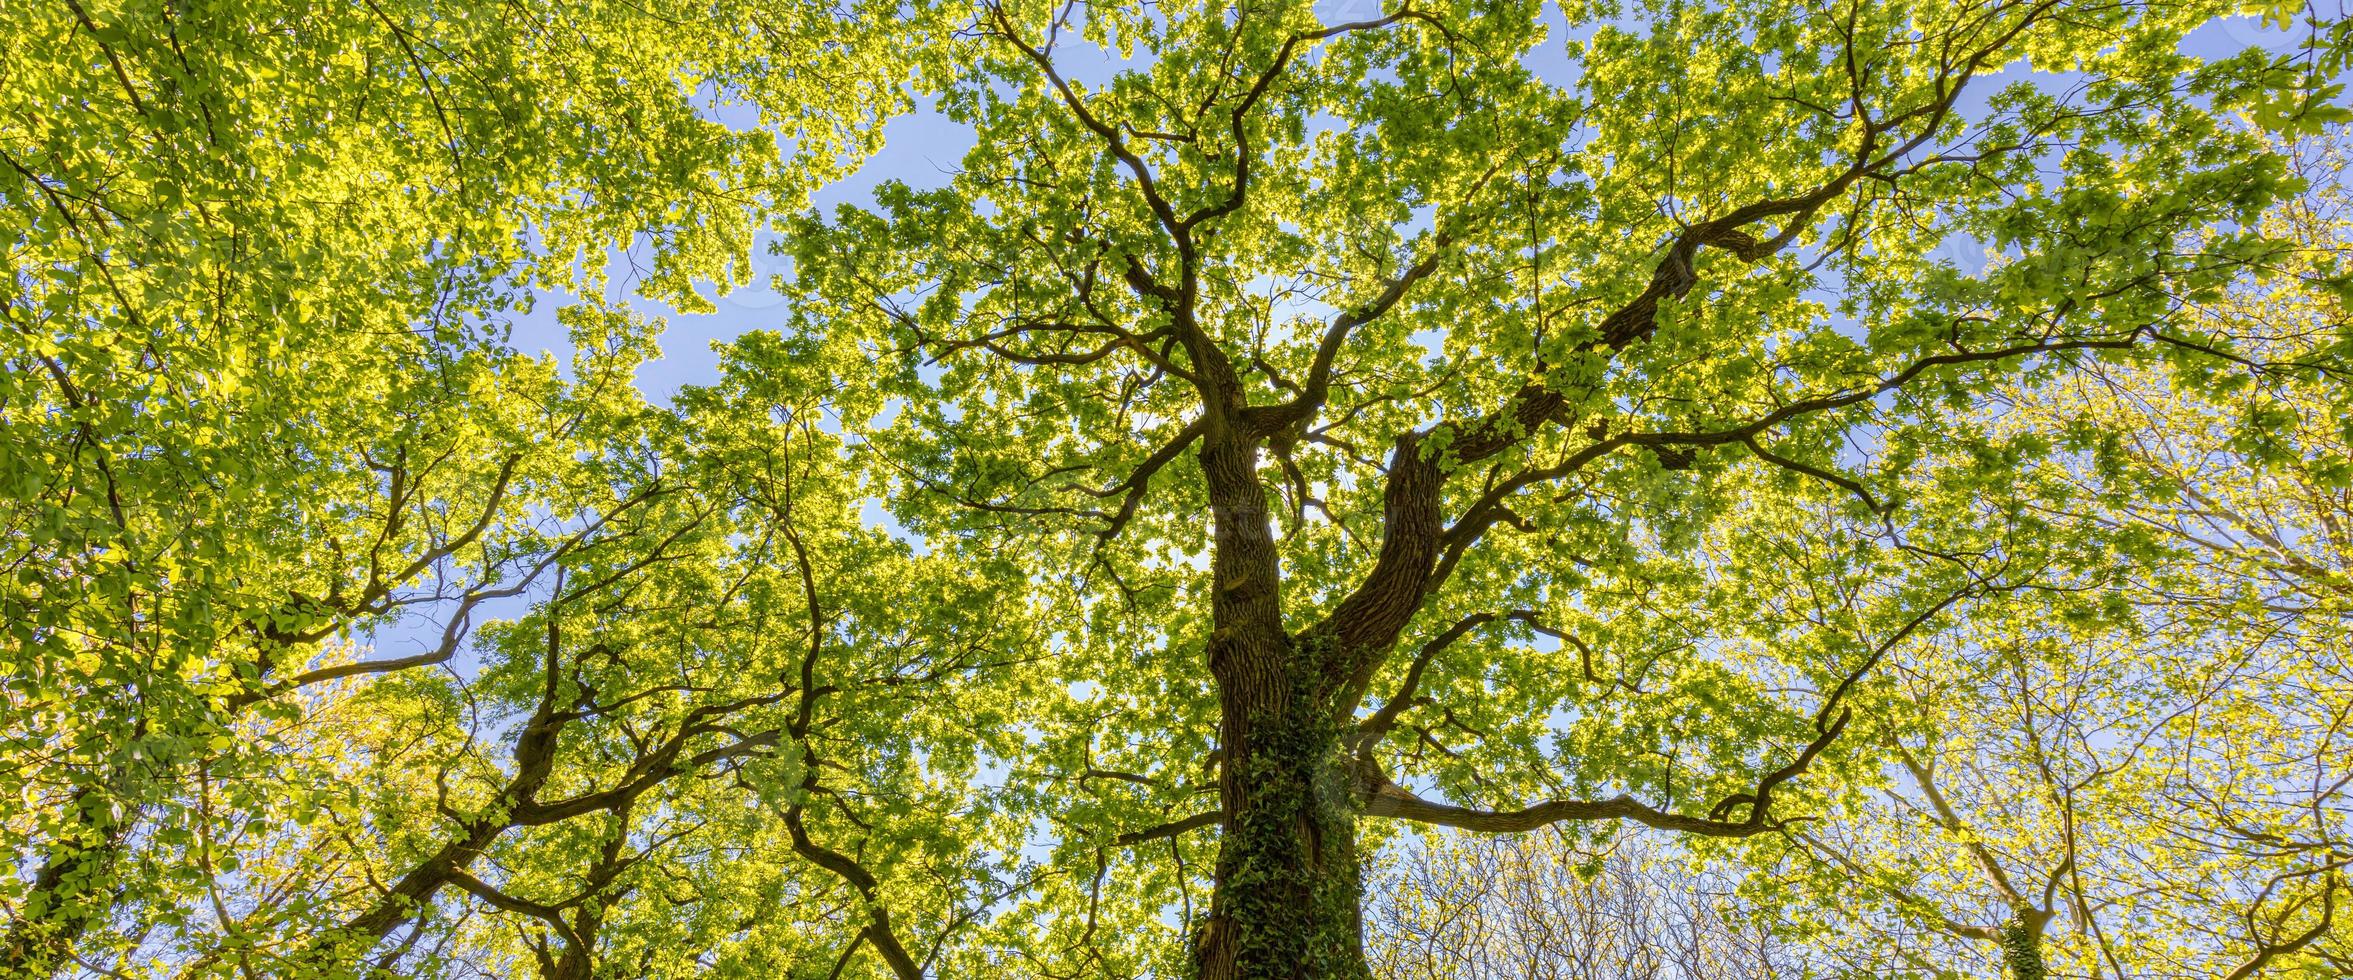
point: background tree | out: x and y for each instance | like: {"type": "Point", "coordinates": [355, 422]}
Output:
{"type": "Point", "coordinates": [737, 731]}
{"type": "Point", "coordinates": [2162, 765]}
{"type": "Point", "coordinates": [257, 395]}
{"type": "Point", "coordinates": [1542, 906]}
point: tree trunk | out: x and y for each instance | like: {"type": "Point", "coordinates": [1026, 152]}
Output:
{"type": "Point", "coordinates": [579, 959]}
{"type": "Point", "coordinates": [2022, 945]}
{"type": "Point", "coordinates": [1285, 903]}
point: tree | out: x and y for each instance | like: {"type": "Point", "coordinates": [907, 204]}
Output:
{"type": "Point", "coordinates": [2082, 803]}
{"type": "Point", "coordinates": [722, 662]}
{"type": "Point", "coordinates": [1539, 906]}
{"type": "Point", "coordinates": [1286, 427]}
{"type": "Point", "coordinates": [257, 395]}
{"type": "Point", "coordinates": [2135, 779]}
{"type": "Point", "coordinates": [1698, 270]}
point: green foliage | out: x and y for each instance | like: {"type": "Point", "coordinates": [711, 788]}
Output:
{"type": "Point", "coordinates": [1289, 429]}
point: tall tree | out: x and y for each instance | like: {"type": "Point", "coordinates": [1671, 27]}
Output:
{"type": "Point", "coordinates": [1444, 350]}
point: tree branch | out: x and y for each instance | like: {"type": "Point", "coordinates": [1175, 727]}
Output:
{"type": "Point", "coordinates": [1171, 829]}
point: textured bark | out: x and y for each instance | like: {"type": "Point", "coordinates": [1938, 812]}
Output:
{"type": "Point", "coordinates": [1285, 902]}
{"type": "Point", "coordinates": [1366, 624]}
{"type": "Point", "coordinates": [1286, 898]}
{"type": "Point", "coordinates": [1287, 894]}
{"type": "Point", "coordinates": [2022, 946]}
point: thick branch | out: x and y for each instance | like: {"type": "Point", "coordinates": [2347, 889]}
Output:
{"type": "Point", "coordinates": [1386, 799]}
{"type": "Point", "coordinates": [1173, 828]}
{"type": "Point", "coordinates": [1390, 800]}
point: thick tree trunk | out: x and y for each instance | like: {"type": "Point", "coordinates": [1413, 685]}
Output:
{"type": "Point", "coordinates": [1286, 903]}
{"type": "Point", "coordinates": [579, 959]}
{"type": "Point", "coordinates": [2022, 945]}
{"type": "Point", "coordinates": [1286, 893]}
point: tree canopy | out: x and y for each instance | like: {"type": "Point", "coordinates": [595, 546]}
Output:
{"type": "Point", "coordinates": [1891, 457]}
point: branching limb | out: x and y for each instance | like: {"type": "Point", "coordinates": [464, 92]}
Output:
{"type": "Point", "coordinates": [1173, 828]}
{"type": "Point", "coordinates": [1384, 798]}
